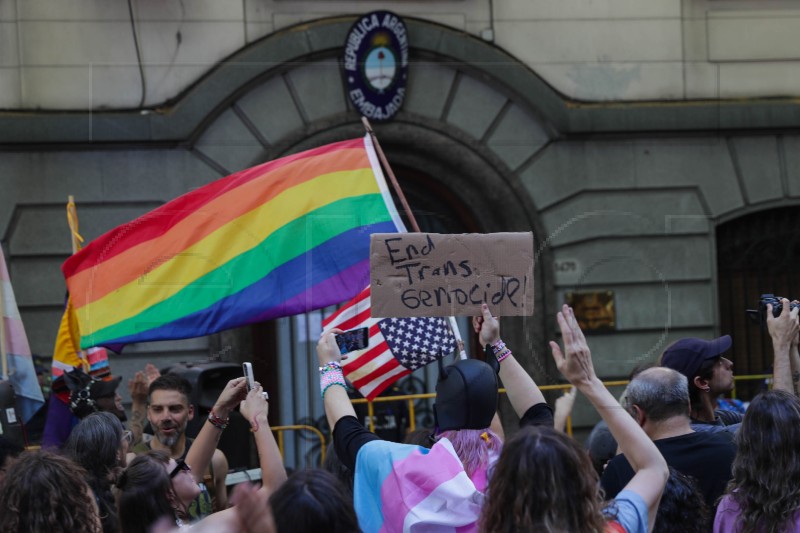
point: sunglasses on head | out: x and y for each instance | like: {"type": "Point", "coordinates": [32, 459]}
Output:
{"type": "Point", "coordinates": [180, 466]}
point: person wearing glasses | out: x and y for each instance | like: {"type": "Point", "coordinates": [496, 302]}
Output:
{"type": "Point", "coordinates": [99, 444]}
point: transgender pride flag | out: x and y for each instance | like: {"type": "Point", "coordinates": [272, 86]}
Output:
{"type": "Point", "coordinates": [15, 351]}
{"type": "Point", "coordinates": [402, 487]}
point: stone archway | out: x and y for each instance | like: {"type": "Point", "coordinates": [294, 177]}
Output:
{"type": "Point", "coordinates": [464, 130]}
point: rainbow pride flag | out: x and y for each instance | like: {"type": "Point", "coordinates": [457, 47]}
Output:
{"type": "Point", "coordinates": [402, 487]}
{"type": "Point", "coordinates": [275, 240]}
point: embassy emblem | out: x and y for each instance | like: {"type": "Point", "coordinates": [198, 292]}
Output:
{"type": "Point", "coordinates": [376, 64]}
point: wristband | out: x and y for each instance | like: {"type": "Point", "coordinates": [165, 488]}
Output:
{"type": "Point", "coordinates": [501, 351]}
{"type": "Point", "coordinates": [217, 422]}
{"type": "Point", "coordinates": [332, 376]}
{"type": "Point", "coordinates": [331, 366]}
{"type": "Point", "coordinates": [502, 355]}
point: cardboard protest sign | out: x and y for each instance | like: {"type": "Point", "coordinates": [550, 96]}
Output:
{"type": "Point", "coordinates": [432, 274]}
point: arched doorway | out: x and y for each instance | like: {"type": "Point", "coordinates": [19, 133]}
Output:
{"type": "Point", "coordinates": [458, 146]}
{"type": "Point", "coordinates": [452, 190]}
{"type": "Point", "coordinates": [756, 254]}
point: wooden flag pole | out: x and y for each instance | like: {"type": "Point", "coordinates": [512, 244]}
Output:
{"type": "Point", "coordinates": [411, 220]}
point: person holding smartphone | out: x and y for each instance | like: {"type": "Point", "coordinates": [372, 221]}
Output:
{"type": "Point", "coordinates": [169, 412]}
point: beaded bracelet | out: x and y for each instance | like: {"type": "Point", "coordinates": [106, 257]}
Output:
{"type": "Point", "coordinates": [502, 355]}
{"type": "Point", "coordinates": [217, 422]}
{"type": "Point", "coordinates": [501, 351]}
{"type": "Point", "coordinates": [328, 379]}
{"type": "Point", "coordinates": [330, 366]}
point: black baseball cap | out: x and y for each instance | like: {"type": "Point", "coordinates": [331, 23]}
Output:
{"type": "Point", "coordinates": [466, 396]}
{"type": "Point", "coordinates": [687, 356]}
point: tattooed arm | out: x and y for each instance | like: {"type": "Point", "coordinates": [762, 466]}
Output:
{"type": "Point", "coordinates": [137, 387]}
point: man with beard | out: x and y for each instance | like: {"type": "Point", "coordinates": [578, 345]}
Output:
{"type": "Point", "coordinates": [169, 411]}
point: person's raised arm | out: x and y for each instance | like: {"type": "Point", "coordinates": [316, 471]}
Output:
{"type": "Point", "coordinates": [521, 389]}
{"type": "Point", "coordinates": [203, 447]}
{"type": "Point", "coordinates": [137, 387]}
{"type": "Point", "coordinates": [794, 361]}
{"type": "Point", "coordinates": [563, 410]}
{"type": "Point", "coordinates": [334, 392]}
{"type": "Point", "coordinates": [783, 331]}
{"type": "Point", "coordinates": [575, 363]}
{"type": "Point", "coordinates": [255, 409]}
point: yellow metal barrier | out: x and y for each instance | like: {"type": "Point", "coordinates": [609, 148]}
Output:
{"type": "Point", "coordinates": [749, 378]}
{"type": "Point", "coordinates": [280, 430]}
{"type": "Point", "coordinates": [410, 398]}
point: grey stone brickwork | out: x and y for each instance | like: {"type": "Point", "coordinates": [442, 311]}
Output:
{"type": "Point", "coordinates": [613, 206]}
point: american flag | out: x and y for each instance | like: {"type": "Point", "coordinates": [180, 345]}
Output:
{"type": "Point", "coordinates": [397, 346]}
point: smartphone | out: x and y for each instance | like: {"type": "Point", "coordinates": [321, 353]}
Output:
{"type": "Point", "coordinates": [247, 368]}
{"type": "Point", "coordinates": [355, 339]}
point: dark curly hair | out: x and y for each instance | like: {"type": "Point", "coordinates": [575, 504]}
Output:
{"type": "Point", "coordinates": [538, 471]}
{"type": "Point", "coordinates": [682, 507]}
{"type": "Point", "coordinates": [44, 491]}
{"type": "Point", "coordinates": [767, 465]}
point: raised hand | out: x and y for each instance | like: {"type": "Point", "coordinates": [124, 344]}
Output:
{"type": "Point", "coordinates": [327, 349]}
{"type": "Point", "coordinates": [784, 328]}
{"type": "Point", "coordinates": [254, 405]}
{"type": "Point", "coordinates": [575, 362]}
{"type": "Point", "coordinates": [151, 373]}
{"type": "Point", "coordinates": [233, 393]}
{"type": "Point", "coordinates": [138, 387]}
{"type": "Point", "coordinates": [486, 326]}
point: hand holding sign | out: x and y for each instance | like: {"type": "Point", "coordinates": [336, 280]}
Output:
{"type": "Point", "coordinates": [430, 274]}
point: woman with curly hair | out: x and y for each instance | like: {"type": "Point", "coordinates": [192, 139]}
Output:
{"type": "Point", "coordinates": [45, 492]}
{"type": "Point", "coordinates": [764, 495]}
{"type": "Point", "coordinates": [544, 481]}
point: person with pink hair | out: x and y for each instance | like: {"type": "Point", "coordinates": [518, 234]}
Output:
{"type": "Point", "coordinates": [403, 486]}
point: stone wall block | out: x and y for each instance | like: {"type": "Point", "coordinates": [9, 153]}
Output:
{"type": "Point", "coordinates": [230, 143]}
{"type": "Point", "coordinates": [271, 109]}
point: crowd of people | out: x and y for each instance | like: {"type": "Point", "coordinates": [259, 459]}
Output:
{"type": "Point", "coordinates": [679, 463]}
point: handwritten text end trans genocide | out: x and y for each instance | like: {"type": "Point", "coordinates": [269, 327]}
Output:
{"type": "Point", "coordinates": [429, 274]}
